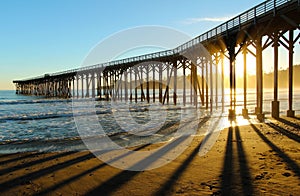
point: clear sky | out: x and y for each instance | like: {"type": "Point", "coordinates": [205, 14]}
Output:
{"type": "Point", "coordinates": [45, 36]}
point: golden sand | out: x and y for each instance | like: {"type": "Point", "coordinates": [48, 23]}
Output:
{"type": "Point", "coordinates": [260, 158]}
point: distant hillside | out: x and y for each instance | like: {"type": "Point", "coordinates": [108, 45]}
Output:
{"type": "Point", "coordinates": [268, 79]}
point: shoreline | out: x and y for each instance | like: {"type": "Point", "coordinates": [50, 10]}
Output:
{"type": "Point", "coordinates": [260, 158]}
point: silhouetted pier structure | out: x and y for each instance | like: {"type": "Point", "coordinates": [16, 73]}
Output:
{"type": "Point", "coordinates": [272, 23]}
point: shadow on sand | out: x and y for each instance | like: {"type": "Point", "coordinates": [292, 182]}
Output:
{"type": "Point", "coordinates": [123, 177]}
{"type": "Point", "coordinates": [291, 163]}
{"type": "Point", "coordinates": [108, 187]}
{"type": "Point", "coordinates": [235, 177]}
{"type": "Point", "coordinates": [235, 161]}
{"type": "Point", "coordinates": [284, 132]}
{"type": "Point", "coordinates": [25, 179]}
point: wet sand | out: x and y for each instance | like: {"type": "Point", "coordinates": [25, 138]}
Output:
{"type": "Point", "coordinates": [260, 158]}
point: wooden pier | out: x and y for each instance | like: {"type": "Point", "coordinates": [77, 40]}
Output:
{"type": "Point", "coordinates": [195, 67]}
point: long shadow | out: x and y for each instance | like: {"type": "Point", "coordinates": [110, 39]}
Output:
{"type": "Point", "coordinates": [227, 177]}
{"type": "Point", "coordinates": [17, 167]}
{"type": "Point", "coordinates": [295, 117]}
{"type": "Point", "coordinates": [73, 178]}
{"type": "Point", "coordinates": [243, 163]}
{"type": "Point", "coordinates": [20, 157]}
{"type": "Point", "coordinates": [34, 175]}
{"type": "Point", "coordinates": [112, 184]}
{"type": "Point", "coordinates": [289, 123]}
{"type": "Point", "coordinates": [175, 176]}
{"type": "Point", "coordinates": [69, 180]}
{"type": "Point", "coordinates": [8, 155]}
{"type": "Point", "coordinates": [284, 132]}
{"type": "Point", "coordinates": [291, 163]}
{"type": "Point", "coordinates": [118, 180]}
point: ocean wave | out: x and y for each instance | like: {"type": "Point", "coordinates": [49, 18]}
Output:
{"type": "Point", "coordinates": [42, 116]}
{"type": "Point", "coordinates": [33, 101]}
{"type": "Point", "coordinates": [34, 117]}
{"type": "Point", "coordinates": [42, 145]}
{"type": "Point", "coordinates": [122, 139]}
{"type": "Point", "coordinates": [64, 143]}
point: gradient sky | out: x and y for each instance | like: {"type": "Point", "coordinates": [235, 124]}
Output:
{"type": "Point", "coordinates": [38, 37]}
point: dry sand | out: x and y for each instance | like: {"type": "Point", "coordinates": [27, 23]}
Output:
{"type": "Point", "coordinates": [260, 158]}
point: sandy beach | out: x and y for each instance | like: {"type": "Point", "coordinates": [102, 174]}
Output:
{"type": "Point", "coordinates": [259, 158]}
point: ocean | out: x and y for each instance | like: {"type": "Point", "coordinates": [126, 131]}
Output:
{"type": "Point", "coordinates": [30, 123]}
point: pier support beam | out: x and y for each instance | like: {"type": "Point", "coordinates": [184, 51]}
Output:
{"type": "Point", "coordinates": [99, 94]}
{"type": "Point", "coordinates": [147, 84]}
{"type": "Point", "coordinates": [105, 84]}
{"type": "Point", "coordinates": [222, 80]}
{"type": "Point", "coordinates": [87, 85]}
{"type": "Point", "coordinates": [160, 81]}
{"type": "Point", "coordinates": [168, 81]}
{"type": "Point", "coordinates": [154, 83]}
{"type": "Point", "coordinates": [141, 81]}
{"type": "Point", "coordinates": [216, 77]}
{"type": "Point", "coordinates": [73, 85]}
{"type": "Point", "coordinates": [120, 87]}
{"type": "Point", "coordinates": [184, 84]}
{"type": "Point", "coordinates": [231, 49]}
{"type": "Point", "coordinates": [175, 82]}
{"type": "Point", "coordinates": [93, 84]}
{"type": "Point", "coordinates": [259, 80]}
{"type": "Point", "coordinates": [245, 110]}
{"type": "Point", "coordinates": [126, 85]}
{"type": "Point", "coordinates": [135, 84]}
{"type": "Point", "coordinates": [211, 85]}
{"type": "Point", "coordinates": [191, 83]}
{"type": "Point", "coordinates": [194, 83]}
{"type": "Point", "coordinates": [275, 102]}
{"type": "Point", "coordinates": [82, 87]}
{"type": "Point", "coordinates": [111, 85]}
{"type": "Point", "coordinates": [291, 112]}
{"type": "Point", "coordinates": [206, 83]}
{"type": "Point", "coordinates": [130, 84]}
{"type": "Point", "coordinates": [202, 80]}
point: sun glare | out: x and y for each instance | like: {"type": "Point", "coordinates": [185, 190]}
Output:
{"type": "Point", "coordinates": [239, 66]}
